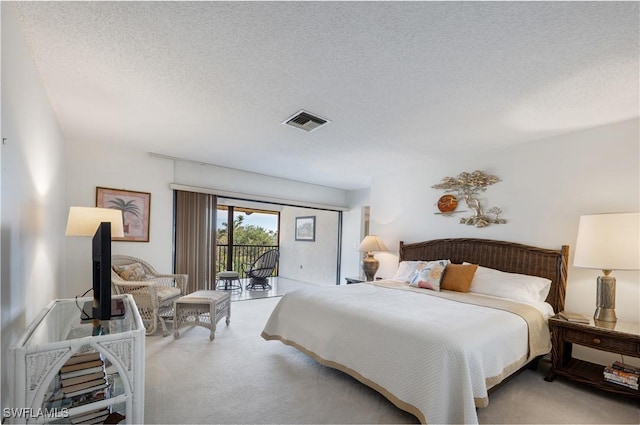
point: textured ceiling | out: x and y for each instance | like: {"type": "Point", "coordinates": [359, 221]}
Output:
{"type": "Point", "coordinates": [399, 81]}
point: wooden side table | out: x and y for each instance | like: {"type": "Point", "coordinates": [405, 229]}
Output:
{"type": "Point", "coordinates": [619, 337]}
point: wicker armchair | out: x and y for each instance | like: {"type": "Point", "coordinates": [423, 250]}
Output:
{"type": "Point", "coordinates": [154, 293]}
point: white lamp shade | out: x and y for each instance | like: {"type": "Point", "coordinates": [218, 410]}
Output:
{"type": "Point", "coordinates": [372, 243]}
{"type": "Point", "coordinates": [84, 221]}
{"type": "Point", "coordinates": [608, 242]}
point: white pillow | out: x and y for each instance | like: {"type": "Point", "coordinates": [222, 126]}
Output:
{"type": "Point", "coordinates": [430, 276]}
{"type": "Point", "coordinates": [514, 286]}
{"type": "Point", "coordinates": [406, 269]}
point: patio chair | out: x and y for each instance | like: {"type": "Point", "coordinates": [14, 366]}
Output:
{"type": "Point", "coordinates": [261, 269]}
{"type": "Point", "coordinates": [153, 293]}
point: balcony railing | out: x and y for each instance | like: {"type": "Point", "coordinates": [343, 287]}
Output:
{"type": "Point", "coordinates": [240, 255]}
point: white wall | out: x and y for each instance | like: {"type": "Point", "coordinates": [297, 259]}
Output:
{"type": "Point", "coordinates": [313, 262]}
{"type": "Point", "coordinates": [33, 192]}
{"type": "Point", "coordinates": [545, 188]}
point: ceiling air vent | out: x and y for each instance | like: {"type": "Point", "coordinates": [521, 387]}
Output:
{"type": "Point", "coordinates": [305, 121]}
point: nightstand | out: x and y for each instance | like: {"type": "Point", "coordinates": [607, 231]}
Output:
{"type": "Point", "coordinates": [619, 337]}
{"type": "Point", "coordinates": [358, 279]}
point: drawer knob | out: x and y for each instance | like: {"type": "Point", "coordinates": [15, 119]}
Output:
{"type": "Point", "coordinates": [596, 341]}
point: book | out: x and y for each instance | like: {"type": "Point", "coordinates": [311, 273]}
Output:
{"type": "Point", "coordinates": [81, 372]}
{"type": "Point", "coordinates": [633, 387]}
{"type": "Point", "coordinates": [613, 377]}
{"type": "Point", "coordinates": [627, 375]}
{"type": "Point", "coordinates": [98, 420]}
{"type": "Point", "coordinates": [574, 317]}
{"type": "Point", "coordinates": [620, 377]}
{"type": "Point", "coordinates": [80, 366]}
{"type": "Point", "coordinates": [626, 367]}
{"type": "Point", "coordinates": [623, 383]}
{"type": "Point", "coordinates": [83, 385]}
{"type": "Point", "coordinates": [82, 378]}
{"type": "Point", "coordinates": [86, 390]}
{"type": "Point", "coordinates": [83, 357]}
{"type": "Point", "coordinates": [94, 416]}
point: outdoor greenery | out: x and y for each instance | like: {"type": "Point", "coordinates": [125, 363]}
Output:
{"type": "Point", "coordinates": [246, 235]}
{"type": "Point", "coordinates": [249, 242]}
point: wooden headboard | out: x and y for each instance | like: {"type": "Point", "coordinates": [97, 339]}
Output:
{"type": "Point", "coordinates": [506, 256]}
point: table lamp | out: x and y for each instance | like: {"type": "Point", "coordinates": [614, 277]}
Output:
{"type": "Point", "coordinates": [608, 242]}
{"type": "Point", "coordinates": [370, 265]}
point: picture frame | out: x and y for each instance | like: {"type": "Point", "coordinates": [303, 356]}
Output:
{"type": "Point", "coordinates": [306, 228]}
{"type": "Point", "coordinates": [135, 207]}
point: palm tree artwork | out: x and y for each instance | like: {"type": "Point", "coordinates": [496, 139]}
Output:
{"type": "Point", "coordinates": [127, 207]}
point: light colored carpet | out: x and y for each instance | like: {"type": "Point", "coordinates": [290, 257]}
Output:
{"type": "Point", "coordinates": [239, 378]}
{"type": "Point", "coordinates": [279, 286]}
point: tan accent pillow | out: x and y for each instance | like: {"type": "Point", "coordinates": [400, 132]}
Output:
{"type": "Point", "coordinates": [458, 277]}
{"type": "Point", "coordinates": [133, 271]}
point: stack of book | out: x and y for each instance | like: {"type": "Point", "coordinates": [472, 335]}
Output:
{"type": "Point", "coordinates": [82, 380]}
{"type": "Point", "coordinates": [82, 373]}
{"type": "Point", "coordinates": [622, 374]}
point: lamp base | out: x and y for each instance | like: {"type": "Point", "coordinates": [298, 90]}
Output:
{"type": "Point", "coordinates": [605, 315]}
{"type": "Point", "coordinates": [370, 266]}
{"type": "Point", "coordinates": [606, 298]}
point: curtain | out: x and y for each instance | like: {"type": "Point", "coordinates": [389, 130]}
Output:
{"type": "Point", "coordinates": [196, 238]}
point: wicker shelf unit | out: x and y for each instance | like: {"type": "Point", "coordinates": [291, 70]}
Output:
{"type": "Point", "coordinates": [48, 343]}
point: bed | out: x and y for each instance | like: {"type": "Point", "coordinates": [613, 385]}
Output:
{"type": "Point", "coordinates": [434, 354]}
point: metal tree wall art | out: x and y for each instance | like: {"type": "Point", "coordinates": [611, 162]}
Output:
{"type": "Point", "coordinates": [466, 186]}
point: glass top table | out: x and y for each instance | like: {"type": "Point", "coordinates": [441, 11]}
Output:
{"type": "Point", "coordinates": [62, 320]}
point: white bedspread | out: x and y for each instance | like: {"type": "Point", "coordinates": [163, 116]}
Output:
{"type": "Point", "coordinates": [433, 357]}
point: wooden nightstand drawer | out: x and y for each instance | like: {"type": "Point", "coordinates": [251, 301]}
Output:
{"type": "Point", "coordinates": [598, 340]}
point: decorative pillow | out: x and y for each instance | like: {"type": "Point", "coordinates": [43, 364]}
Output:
{"type": "Point", "coordinates": [406, 270]}
{"type": "Point", "coordinates": [430, 276]}
{"type": "Point", "coordinates": [457, 277]}
{"type": "Point", "coordinates": [514, 286]}
{"type": "Point", "coordinates": [133, 271]}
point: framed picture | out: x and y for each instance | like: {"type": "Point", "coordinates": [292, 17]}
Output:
{"type": "Point", "coordinates": [306, 228]}
{"type": "Point", "coordinates": [135, 207]}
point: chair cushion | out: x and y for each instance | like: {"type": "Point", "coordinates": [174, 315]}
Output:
{"type": "Point", "coordinates": [133, 271]}
{"type": "Point", "coordinates": [167, 292]}
{"type": "Point", "coordinates": [228, 275]}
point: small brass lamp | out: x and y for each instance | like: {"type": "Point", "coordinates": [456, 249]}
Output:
{"type": "Point", "coordinates": [370, 264]}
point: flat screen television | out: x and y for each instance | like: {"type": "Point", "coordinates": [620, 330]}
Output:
{"type": "Point", "coordinates": [102, 307]}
